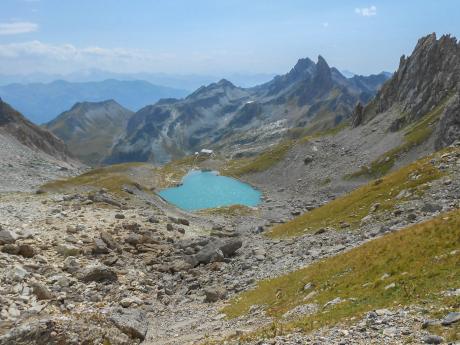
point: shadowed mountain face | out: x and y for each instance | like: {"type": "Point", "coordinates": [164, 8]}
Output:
{"type": "Point", "coordinates": [42, 102]}
{"type": "Point", "coordinates": [14, 125]}
{"type": "Point", "coordinates": [426, 80]}
{"type": "Point", "coordinates": [221, 114]}
{"type": "Point", "coordinates": [90, 128]}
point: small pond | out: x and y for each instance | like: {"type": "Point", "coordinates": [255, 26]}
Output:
{"type": "Point", "coordinates": [207, 189]}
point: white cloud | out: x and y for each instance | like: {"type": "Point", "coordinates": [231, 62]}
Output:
{"type": "Point", "coordinates": [366, 11]}
{"type": "Point", "coordinates": [17, 28]}
{"type": "Point", "coordinates": [33, 56]}
{"type": "Point", "coordinates": [326, 24]}
{"type": "Point", "coordinates": [66, 52]}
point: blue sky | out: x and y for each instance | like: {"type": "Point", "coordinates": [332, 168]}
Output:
{"type": "Point", "coordinates": [214, 36]}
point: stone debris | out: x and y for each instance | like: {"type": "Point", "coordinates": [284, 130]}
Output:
{"type": "Point", "coordinates": [130, 279]}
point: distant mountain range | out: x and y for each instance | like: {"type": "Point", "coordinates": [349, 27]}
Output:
{"type": "Point", "coordinates": [90, 128]}
{"type": "Point", "coordinates": [187, 82]}
{"type": "Point", "coordinates": [312, 95]}
{"type": "Point", "coordinates": [41, 102]}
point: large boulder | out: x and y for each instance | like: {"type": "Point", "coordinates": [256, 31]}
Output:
{"type": "Point", "coordinates": [216, 250]}
{"type": "Point", "coordinates": [308, 159]}
{"type": "Point", "coordinates": [7, 237]}
{"type": "Point", "coordinates": [132, 322]}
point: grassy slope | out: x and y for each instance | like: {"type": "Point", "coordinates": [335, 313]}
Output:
{"type": "Point", "coordinates": [353, 207]}
{"type": "Point", "coordinates": [113, 178]}
{"type": "Point", "coordinates": [275, 154]}
{"type": "Point", "coordinates": [262, 162]}
{"type": "Point", "coordinates": [422, 260]}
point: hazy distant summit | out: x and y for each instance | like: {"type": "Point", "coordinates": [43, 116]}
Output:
{"type": "Point", "coordinates": [90, 128]}
{"type": "Point", "coordinates": [42, 102]}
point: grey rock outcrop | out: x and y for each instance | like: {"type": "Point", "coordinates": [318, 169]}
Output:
{"type": "Point", "coordinates": [449, 126]}
{"type": "Point", "coordinates": [423, 80]}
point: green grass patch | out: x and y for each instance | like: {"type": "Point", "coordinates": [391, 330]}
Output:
{"type": "Point", "coordinates": [112, 178]}
{"type": "Point", "coordinates": [353, 207]}
{"type": "Point", "coordinates": [262, 162]}
{"type": "Point", "coordinates": [414, 135]}
{"type": "Point", "coordinates": [270, 157]}
{"type": "Point", "coordinates": [421, 260]}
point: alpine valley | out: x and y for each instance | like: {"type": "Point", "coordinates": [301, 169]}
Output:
{"type": "Point", "coordinates": [355, 239]}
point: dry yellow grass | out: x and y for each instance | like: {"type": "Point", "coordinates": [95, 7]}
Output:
{"type": "Point", "coordinates": [353, 207]}
{"type": "Point", "coordinates": [422, 261]}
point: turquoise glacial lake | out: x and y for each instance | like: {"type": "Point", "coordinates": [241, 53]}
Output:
{"type": "Point", "coordinates": [207, 189]}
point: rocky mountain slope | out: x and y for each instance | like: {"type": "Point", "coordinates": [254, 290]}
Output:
{"type": "Point", "coordinates": [42, 102]}
{"type": "Point", "coordinates": [429, 76]}
{"type": "Point", "coordinates": [90, 128]}
{"type": "Point", "coordinates": [29, 153]}
{"type": "Point", "coordinates": [225, 116]}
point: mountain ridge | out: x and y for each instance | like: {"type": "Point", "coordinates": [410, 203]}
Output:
{"type": "Point", "coordinates": [310, 93]}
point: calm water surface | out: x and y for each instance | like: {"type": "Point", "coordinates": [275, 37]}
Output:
{"type": "Point", "coordinates": [207, 189]}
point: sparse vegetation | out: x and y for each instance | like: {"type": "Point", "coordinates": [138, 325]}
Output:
{"type": "Point", "coordinates": [353, 207]}
{"type": "Point", "coordinates": [414, 135]}
{"type": "Point", "coordinates": [231, 211]}
{"type": "Point", "coordinates": [172, 173]}
{"type": "Point", "coordinates": [273, 155]}
{"type": "Point", "coordinates": [262, 162]}
{"type": "Point", "coordinates": [421, 260]}
{"type": "Point", "coordinates": [112, 178]}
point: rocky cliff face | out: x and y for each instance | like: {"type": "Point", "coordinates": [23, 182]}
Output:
{"type": "Point", "coordinates": [426, 85]}
{"type": "Point", "coordinates": [90, 128]}
{"type": "Point", "coordinates": [223, 115]}
{"type": "Point", "coordinates": [449, 126]}
{"type": "Point", "coordinates": [423, 80]}
{"type": "Point", "coordinates": [15, 125]}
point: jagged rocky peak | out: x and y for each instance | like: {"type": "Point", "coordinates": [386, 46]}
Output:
{"type": "Point", "coordinates": [427, 77]}
{"type": "Point", "coordinates": [221, 113]}
{"type": "Point", "coordinates": [322, 65]}
{"type": "Point", "coordinates": [302, 67]}
{"type": "Point", "coordinates": [306, 67]}
{"type": "Point", "coordinates": [323, 73]}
